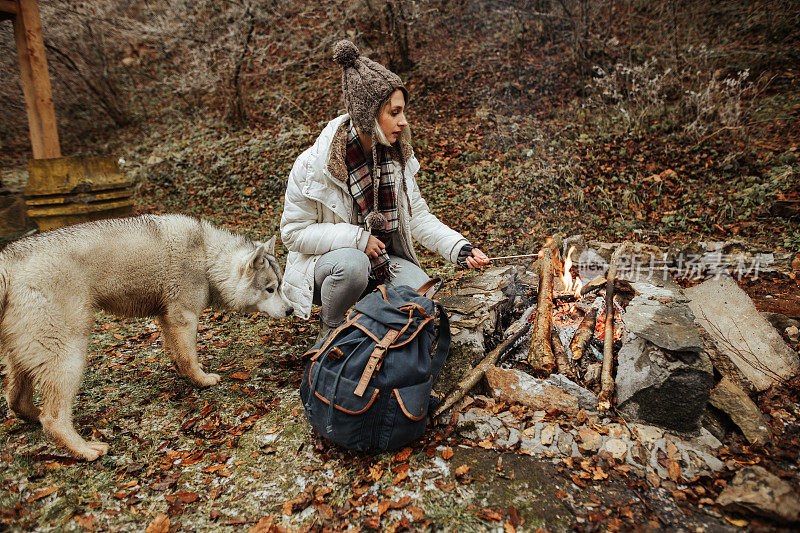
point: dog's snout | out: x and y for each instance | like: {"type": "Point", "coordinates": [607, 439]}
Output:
{"type": "Point", "coordinates": [290, 311]}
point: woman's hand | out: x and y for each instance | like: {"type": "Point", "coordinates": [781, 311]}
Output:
{"type": "Point", "coordinates": [477, 259]}
{"type": "Point", "coordinates": [374, 247]}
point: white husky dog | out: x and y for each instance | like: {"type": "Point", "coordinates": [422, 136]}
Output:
{"type": "Point", "coordinates": [168, 266]}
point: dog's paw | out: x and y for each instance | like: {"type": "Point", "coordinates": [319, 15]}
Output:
{"type": "Point", "coordinates": [207, 380]}
{"type": "Point", "coordinates": [92, 450]}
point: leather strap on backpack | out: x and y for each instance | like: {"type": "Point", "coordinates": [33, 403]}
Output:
{"type": "Point", "coordinates": [430, 283]}
{"type": "Point", "coordinates": [377, 355]}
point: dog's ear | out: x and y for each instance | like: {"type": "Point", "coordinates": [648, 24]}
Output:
{"type": "Point", "coordinates": [256, 259]}
{"type": "Point", "coordinates": [270, 245]}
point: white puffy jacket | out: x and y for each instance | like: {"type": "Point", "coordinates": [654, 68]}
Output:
{"type": "Point", "coordinates": [318, 212]}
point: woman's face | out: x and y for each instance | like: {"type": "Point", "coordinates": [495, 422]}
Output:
{"type": "Point", "coordinates": [392, 118]}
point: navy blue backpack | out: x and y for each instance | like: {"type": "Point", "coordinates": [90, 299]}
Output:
{"type": "Point", "coordinates": [368, 384]}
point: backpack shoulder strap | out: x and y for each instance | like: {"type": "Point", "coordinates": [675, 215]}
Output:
{"type": "Point", "coordinates": [443, 344]}
{"type": "Point", "coordinates": [430, 283]}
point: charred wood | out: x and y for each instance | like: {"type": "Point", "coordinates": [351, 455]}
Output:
{"type": "Point", "coordinates": [606, 378]}
{"type": "Point", "coordinates": [583, 335]}
{"type": "Point", "coordinates": [514, 332]}
{"type": "Point", "coordinates": [540, 354]}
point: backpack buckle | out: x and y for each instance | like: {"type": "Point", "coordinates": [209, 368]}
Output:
{"type": "Point", "coordinates": [374, 360]}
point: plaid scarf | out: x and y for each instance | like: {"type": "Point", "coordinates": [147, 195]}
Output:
{"type": "Point", "coordinates": [360, 181]}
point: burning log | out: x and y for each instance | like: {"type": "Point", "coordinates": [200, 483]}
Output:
{"type": "Point", "coordinates": [583, 335]}
{"type": "Point", "coordinates": [562, 360]}
{"type": "Point", "coordinates": [513, 334]}
{"type": "Point", "coordinates": [540, 354]}
{"type": "Point", "coordinates": [606, 379]}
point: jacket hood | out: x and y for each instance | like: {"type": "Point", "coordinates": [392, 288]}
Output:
{"type": "Point", "coordinates": [336, 130]}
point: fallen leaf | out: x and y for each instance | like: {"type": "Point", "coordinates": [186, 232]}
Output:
{"type": "Point", "coordinates": [486, 444]}
{"type": "Point", "coordinates": [375, 472]}
{"type": "Point", "coordinates": [738, 522]}
{"type": "Point", "coordinates": [674, 470]}
{"type": "Point", "coordinates": [41, 494]}
{"type": "Point", "coordinates": [187, 497]}
{"type": "Point", "coordinates": [399, 504]}
{"type": "Point", "coordinates": [264, 525]}
{"type": "Point", "coordinates": [383, 507]}
{"type": "Point", "coordinates": [461, 470]}
{"type": "Point", "coordinates": [324, 511]}
{"type": "Point", "coordinates": [416, 512]}
{"type": "Point", "coordinates": [447, 454]}
{"type": "Point", "coordinates": [490, 514]}
{"type": "Point", "coordinates": [87, 522]}
{"type": "Point", "coordinates": [160, 524]}
{"type": "Point", "coordinates": [373, 522]}
{"type": "Point", "coordinates": [240, 375]}
{"type": "Point", "coordinates": [402, 455]}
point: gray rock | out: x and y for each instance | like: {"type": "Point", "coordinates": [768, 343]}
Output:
{"type": "Point", "coordinates": [706, 440]}
{"type": "Point", "coordinates": [478, 424]}
{"type": "Point", "coordinates": [591, 264]}
{"type": "Point", "coordinates": [564, 442]}
{"type": "Point", "coordinates": [754, 490]}
{"type": "Point", "coordinates": [728, 314]}
{"type": "Point", "coordinates": [465, 352]}
{"type": "Point", "coordinates": [511, 440]}
{"type": "Point", "coordinates": [695, 462]}
{"type": "Point", "coordinates": [593, 373]}
{"type": "Point", "coordinates": [714, 421]}
{"type": "Point", "coordinates": [659, 314]}
{"type": "Point", "coordinates": [495, 423]}
{"type": "Point", "coordinates": [590, 440]}
{"type": "Point", "coordinates": [663, 375]}
{"type": "Point", "coordinates": [618, 431]}
{"type": "Point", "coordinates": [537, 430]}
{"type": "Point", "coordinates": [575, 452]}
{"type": "Point", "coordinates": [659, 449]}
{"type": "Point", "coordinates": [646, 433]}
{"type": "Point", "coordinates": [547, 435]}
{"type": "Point", "coordinates": [586, 398]}
{"type": "Point", "coordinates": [638, 455]}
{"type": "Point", "coordinates": [660, 387]}
{"type": "Point", "coordinates": [729, 398]}
{"type": "Point", "coordinates": [616, 447]}
{"type": "Point", "coordinates": [531, 446]}
{"type": "Point", "coordinates": [780, 321]}
{"type": "Point", "coordinates": [579, 242]}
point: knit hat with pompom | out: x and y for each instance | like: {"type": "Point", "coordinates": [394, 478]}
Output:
{"type": "Point", "coordinates": [365, 84]}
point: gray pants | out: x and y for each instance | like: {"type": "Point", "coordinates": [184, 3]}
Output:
{"type": "Point", "coordinates": [341, 276]}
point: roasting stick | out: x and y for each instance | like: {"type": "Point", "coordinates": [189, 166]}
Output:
{"type": "Point", "coordinates": [606, 379]}
{"type": "Point", "coordinates": [513, 257]}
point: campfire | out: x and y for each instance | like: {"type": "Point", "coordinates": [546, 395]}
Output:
{"type": "Point", "coordinates": [570, 332]}
{"type": "Point", "coordinates": [568, 317]}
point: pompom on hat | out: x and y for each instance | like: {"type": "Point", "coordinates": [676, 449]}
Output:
{"type": "Point", "coordinates": [365, 85]}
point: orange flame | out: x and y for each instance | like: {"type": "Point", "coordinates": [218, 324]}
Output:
{"type": "Point", "coordinates": [570, 285]}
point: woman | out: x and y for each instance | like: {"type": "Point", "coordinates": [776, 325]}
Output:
{"type": "Point", "coordinates": [352, 204]}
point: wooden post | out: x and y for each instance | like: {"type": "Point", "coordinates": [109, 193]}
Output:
{"type": "Point", "coordinates": [35, 80]}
